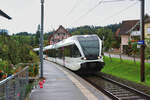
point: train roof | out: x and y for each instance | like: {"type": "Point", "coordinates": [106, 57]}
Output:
{"type": "Point", "coordinates": [66, 42]}
{"type": "Point", "coordinates": [36, 49]}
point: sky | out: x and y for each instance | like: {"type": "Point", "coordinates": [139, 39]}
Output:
{"type": "Point", "coordinates": [26, 14]}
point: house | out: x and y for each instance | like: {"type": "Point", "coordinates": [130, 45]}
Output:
{"type": "Point", "coordinates": [60, 34]}
{"type": "Point", "coordinates": [128, 30]}
{"type": "Point", "coordinates": [147, 28]}
{"type": "Point", "coordinates": [4, 15]}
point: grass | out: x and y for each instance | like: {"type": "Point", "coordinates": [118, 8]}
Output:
{"type": "Point", "coordinates": [127, 70]}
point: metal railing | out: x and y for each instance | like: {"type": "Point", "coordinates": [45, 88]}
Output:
{"type": "Point", "coordinates": [14, 87]}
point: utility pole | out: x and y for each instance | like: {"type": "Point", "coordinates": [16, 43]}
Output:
{"type": "Point", "coordinates": [41, 39]}
{"type": "Point", "coordinates": [142, 39]}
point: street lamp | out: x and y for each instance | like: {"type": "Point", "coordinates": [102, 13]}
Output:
{"type": "Point", "coordinates": [41, 39]}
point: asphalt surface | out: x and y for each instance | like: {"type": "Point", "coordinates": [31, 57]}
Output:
{"type": "Point", "coordinates": [56, 87]}
{"type": "Point", "coordinates": [61, 84]}
{"type": "Point", "coordinates": [124, 57]}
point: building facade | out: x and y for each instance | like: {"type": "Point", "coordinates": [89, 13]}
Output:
{"type": "Point", "coordinates": [60, 34]}
{"type": "Point", "coordinates": [128, 30]}
{"type": "Point", "coordinates": [147, 28]}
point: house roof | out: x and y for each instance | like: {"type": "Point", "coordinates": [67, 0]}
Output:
{"type": "Point", "coordinates": [117, 32]}
{"type": "Point", "coordinates": [4, 15]}
{"type": "Point", "coordinates": [126, 26]}
{"type": "Point", "coordinates": [59, 30]}
{"type": "Point", "coordinates": [147, 20]}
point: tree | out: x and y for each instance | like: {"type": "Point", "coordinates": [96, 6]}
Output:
{"type": "Point", "coordinates": [147, 49]}
{"type": "Point", "coordinates": [106, 35]}
{"type": "Point", "coordinates": [84, 30]}
{"type": "Point", "coordinates": [37, 36]}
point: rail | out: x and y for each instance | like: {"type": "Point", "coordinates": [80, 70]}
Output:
{"type": "Point", "coordinates": [14, 87]}
{"type": "Point", "coordinates": [115, 90]}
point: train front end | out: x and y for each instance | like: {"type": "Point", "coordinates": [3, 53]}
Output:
{"type": "Point", "coordinates": [92, 60]}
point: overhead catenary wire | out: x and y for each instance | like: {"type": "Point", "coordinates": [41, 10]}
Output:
{"type": "Point", "coordinates": [100, 2]}
{"type": "Point", "coordinates": [90, 10]}
{"type": "Point", "coordinates": [77, 3]}
{"type": "Point", "coordinates": [111, 1]}
{"type": "Point", "coordinates": [120, 11]}
{"type": "Point", "coordinates": [74, 7]}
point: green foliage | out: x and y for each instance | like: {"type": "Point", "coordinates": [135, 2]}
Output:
{"type": "Point", "coordinates": [33, 69]}
{"type": "Point", "coordinates": [113, 27]}
{"type": "Point", "coordinates": [4, 65]}
{"type": "Point", "coordinates": [126, 70]}
{"type": "Point", "coordinates": [147, 49]}
{"type": "Point", "coordinates": [34, 56]}
{"type": "Point", "coordinates": [132, 48]}
{"type": "Point", "coordinates": [15, 49]}
{"type": "Point", "coordinates": [106, 35]}
{"type": "Point", "coordinates": [84, 30]}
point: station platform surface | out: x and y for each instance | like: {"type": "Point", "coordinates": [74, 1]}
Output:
{"type": "Point", "coordinates": [61, 85]}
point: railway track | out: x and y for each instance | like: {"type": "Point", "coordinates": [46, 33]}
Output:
{"type": "Point", "coordinates": [115, 90]}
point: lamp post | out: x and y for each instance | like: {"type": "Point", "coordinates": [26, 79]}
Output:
{"type": "Point", "coordinates": [41, 39]}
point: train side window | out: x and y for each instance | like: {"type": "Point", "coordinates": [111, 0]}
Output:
{"type": "Point", "coordinates": [60, 53]}
{"type": "Point", "coordinates": [67, 52]}
{"type": "Point", "coordinates": [71, 51]}
{"type": "Point", "coordinates": [75, 51]}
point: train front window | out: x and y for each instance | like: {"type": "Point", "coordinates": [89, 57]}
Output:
{"type": "Point", "coordinates": [90, 46]}
{"type": "Point", "coordinates": [72, 51]}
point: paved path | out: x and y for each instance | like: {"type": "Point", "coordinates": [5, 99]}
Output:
{"type": "Point", "coordinates": [60, 85]}
{"type": "Point", "coordinates": [124, 57]}
{"type": "Point", "coordinates": [56, 87]}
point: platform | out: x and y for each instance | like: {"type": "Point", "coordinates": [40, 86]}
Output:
{"type": "Point", "coordinates": [62, 85]}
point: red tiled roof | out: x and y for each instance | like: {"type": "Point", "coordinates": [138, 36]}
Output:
{"type": "Point", "coordinates": [126, 26]}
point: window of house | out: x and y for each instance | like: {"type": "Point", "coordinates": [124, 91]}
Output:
{"type": "Point", "coordinates": [148, 30]}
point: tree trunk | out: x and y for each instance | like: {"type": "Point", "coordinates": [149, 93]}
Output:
{"type": "Point", "coordinates": [134, 58]}
{"type": "Point", "coordinates": [121, 60]}
{"type": "Point", "coordinates": [110, 57]}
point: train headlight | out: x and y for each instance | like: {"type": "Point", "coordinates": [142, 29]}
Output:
{"type": "Point", "coordinates": [83, 58]}
{"type": "Point", "coordinates": [99, 57]}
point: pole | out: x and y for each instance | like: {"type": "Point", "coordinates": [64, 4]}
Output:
{"type": "Point", "coordinates": [41, 39]}
{"type": "Point", "coordinates": [142, 38]}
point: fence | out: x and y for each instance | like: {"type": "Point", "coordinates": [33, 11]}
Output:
{"type": "Point", "coordinates": [14, 87]}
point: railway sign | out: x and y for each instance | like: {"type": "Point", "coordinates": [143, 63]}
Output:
{"type": "Point", "coordinates": [141, 42]}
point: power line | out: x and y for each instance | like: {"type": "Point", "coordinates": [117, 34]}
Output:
{"type": "Point", "coordinates": [74, 7]}
{"type": "Point", "coordinates": [119, 12]}
{"type": "Point", "coordinates": [100, 2]}
{"type": "Point", "coordinates": [110, 1]}
{"type": "Point", "coordinates": [90, 10]}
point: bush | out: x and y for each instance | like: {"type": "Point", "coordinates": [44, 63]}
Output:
{"type": "Point", "coordinates": [33, 70]}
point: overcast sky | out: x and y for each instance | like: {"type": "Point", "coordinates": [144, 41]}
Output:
{"type": "Point", "coordinates": [69, 13]}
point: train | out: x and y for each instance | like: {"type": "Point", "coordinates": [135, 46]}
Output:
{"type": "Point", "coordinates": [79, 53]}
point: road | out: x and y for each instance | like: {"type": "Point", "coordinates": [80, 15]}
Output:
{"type": "Point", "coordinates": [124, 57]}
